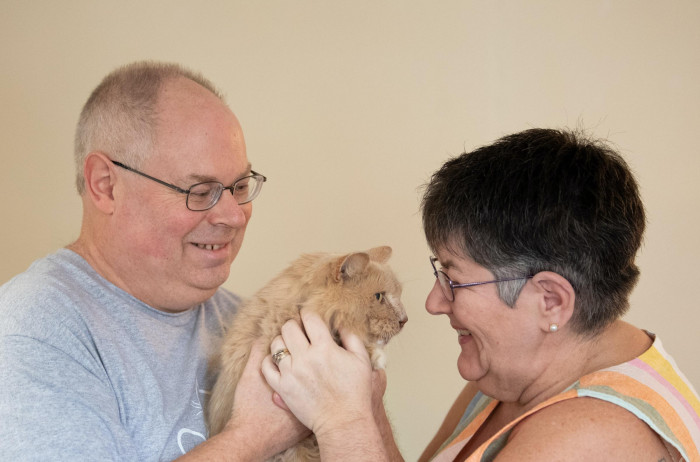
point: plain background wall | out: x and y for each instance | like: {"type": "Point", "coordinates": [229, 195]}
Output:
{"type": "Point", "coordinates": [349, 106]}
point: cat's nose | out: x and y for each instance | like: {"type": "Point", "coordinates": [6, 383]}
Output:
{"type": "Point", "coordinates": [403, 321]}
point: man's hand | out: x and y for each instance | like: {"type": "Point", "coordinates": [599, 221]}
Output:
{"type": "Point", "coordinates": [258, 429]}
{"type": "Point", "coordinates": [256, 421]}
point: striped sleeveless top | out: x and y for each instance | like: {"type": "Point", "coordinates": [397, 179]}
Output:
{"type": "Point", "coordinates": [650, 386]}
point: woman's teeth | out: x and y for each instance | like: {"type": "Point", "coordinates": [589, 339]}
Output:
{"type": "Point", "coordinates": [209, 246]}
{"type": "Point", "coordinates": [463, 332]}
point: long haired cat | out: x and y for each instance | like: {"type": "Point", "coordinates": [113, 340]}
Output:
{"type": "Point", "coordinates": [357, 291]}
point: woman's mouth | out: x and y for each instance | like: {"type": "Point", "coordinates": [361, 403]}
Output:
{"type": "Point", "coordinates": [463, 336]}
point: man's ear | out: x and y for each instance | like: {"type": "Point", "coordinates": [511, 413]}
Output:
{"type": "Point", "coordinates": [557, 298]}
{"type": "Point", "coordinates": [99, 181]}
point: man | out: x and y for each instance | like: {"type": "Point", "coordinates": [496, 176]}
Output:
{"type": "Point", "coordinates": [104, 344]}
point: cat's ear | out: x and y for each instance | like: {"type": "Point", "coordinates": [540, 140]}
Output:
{"type": "Point", "coordinates": [380, 254]}
{"type": "Point", "coordinates": [351, 265]}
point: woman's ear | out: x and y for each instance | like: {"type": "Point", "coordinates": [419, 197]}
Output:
{"type": "Point", "coordinates": [557, 298]}
{"type": "Point", "coordinates": [99, 181]}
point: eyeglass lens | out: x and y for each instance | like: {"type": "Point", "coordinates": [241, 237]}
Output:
{"type": "Point", "coordinates": [445, 286]}
{"type": "Point", "coordinates": [204, 196]}
{"type": "Point", "coordinates": [443, 281]}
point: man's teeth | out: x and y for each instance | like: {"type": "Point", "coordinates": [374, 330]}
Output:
{"type": "Point", "coordinates": [209, 246]}
{"type": "Point", "coordinates": [463, 332]}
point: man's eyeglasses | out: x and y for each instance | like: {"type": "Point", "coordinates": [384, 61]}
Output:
{"type": "Point", "coordinates": [203, 196]}
{"type": "Point", "coordinates": [448, 286]}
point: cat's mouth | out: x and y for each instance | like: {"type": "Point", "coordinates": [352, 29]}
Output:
{"type": "Point", "coordinates": [382, 339]}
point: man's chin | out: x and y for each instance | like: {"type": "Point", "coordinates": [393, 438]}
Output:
{"type": "Point", "coordinates": [211, 281]}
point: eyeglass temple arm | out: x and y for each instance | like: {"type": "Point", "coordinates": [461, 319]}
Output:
{"type": "Point", "coordinates": [171, 186]}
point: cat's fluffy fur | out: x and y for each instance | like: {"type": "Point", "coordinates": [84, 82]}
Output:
{"type": "Point", "coordinates": [357, 291]}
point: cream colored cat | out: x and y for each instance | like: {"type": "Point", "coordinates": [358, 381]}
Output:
{"type": "Point", "coordinates": [357, 291]}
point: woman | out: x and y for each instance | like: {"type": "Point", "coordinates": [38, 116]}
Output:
{"type": "Point", "coordinates": [534, 238]}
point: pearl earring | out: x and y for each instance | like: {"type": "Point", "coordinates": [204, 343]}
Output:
{"type": "Point", "coordinates": [553, 327]}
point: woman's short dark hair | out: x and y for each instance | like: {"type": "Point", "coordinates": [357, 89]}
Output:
{"type": "Point", "coordinates": [543, 200]}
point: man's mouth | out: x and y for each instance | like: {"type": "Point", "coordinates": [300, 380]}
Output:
{"type": "Point", "coordinates": [209, 246]}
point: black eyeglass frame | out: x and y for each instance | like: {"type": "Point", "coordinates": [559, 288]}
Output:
{"type": "Point", "coordinates": [258, 177]}
{"type": "Point", "coordinates": [456, 285]}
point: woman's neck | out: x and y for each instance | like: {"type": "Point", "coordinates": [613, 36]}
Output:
{"type": "Point", "coordinates": [575, 356]}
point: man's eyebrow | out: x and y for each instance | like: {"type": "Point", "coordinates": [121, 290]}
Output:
{"type": "Point", "coordinates": [195, 178]}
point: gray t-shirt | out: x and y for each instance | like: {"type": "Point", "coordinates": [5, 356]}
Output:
{"type": "Point", "coordinates": [88, 372]}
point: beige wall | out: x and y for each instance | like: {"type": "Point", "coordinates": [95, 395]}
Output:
{"type": "Point", "coordinates": [348, 106]}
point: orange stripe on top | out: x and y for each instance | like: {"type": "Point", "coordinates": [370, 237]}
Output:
{"type": "Point", "coordinates": [474, 425]}
{"type": "Point", "coordinates": [661, 365]}
{"type": "Point", "coordinates": [631, 388]}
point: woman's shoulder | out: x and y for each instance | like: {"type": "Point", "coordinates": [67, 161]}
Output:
{"type": "Point", "coordinates": [583, 429]}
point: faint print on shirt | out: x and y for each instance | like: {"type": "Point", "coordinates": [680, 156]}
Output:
{"type": "Point", "coordinates": [187, 438]}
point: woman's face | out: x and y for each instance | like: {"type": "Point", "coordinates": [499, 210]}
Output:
{"type": "Point", "coordinates": [498, 344]}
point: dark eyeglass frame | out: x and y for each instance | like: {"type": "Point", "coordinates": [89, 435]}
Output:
{"type": "Point", "coordinates": [440, 275]}
{"type": "Point", "coordinates": [258, 177]}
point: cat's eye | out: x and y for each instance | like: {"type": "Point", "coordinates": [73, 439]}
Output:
{"type": "Point", "coordinates": [379, 296]}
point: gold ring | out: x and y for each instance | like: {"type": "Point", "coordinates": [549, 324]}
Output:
{"type": "Point", "coordinates": [279, 355]}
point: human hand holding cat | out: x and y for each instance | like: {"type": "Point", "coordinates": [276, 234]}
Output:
{"type": "Point", "coordinates": [328, 387]}
{"type": "Point", "coordinates": [378, 386]}
{"type": "Point", "coordinates": [265, 425]}
{"type": "Point", "coordinates": [320, 379]}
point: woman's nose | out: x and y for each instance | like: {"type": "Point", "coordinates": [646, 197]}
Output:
{"type": "Point", "coordinates": [436, 303]}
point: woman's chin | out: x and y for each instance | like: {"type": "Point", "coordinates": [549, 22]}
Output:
{"type": "Point", "coordinates": [468, 369]}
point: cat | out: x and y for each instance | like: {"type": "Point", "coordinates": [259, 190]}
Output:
{"type": "Point", "coordinates": [357, 291]}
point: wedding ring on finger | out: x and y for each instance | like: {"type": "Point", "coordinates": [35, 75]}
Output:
{"type": "Point", "coordinates": [279, 355]}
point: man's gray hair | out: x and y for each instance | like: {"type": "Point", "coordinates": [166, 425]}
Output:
{"type": "Point", "coordinates": [120, 115]}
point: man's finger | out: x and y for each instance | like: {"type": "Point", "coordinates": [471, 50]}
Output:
{"type": "Point", "coordinates": [277, 399]}
{"type": "Point", "coordinates": [258, 351]}
{"type": "Point", "coordinates": [271, 373]}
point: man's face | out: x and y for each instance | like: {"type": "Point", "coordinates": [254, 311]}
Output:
{"type": "Point", "coordinates": [174, 258]}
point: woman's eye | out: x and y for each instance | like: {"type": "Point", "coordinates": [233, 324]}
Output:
{"type": "Point", "coordinates": [379, 296]}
